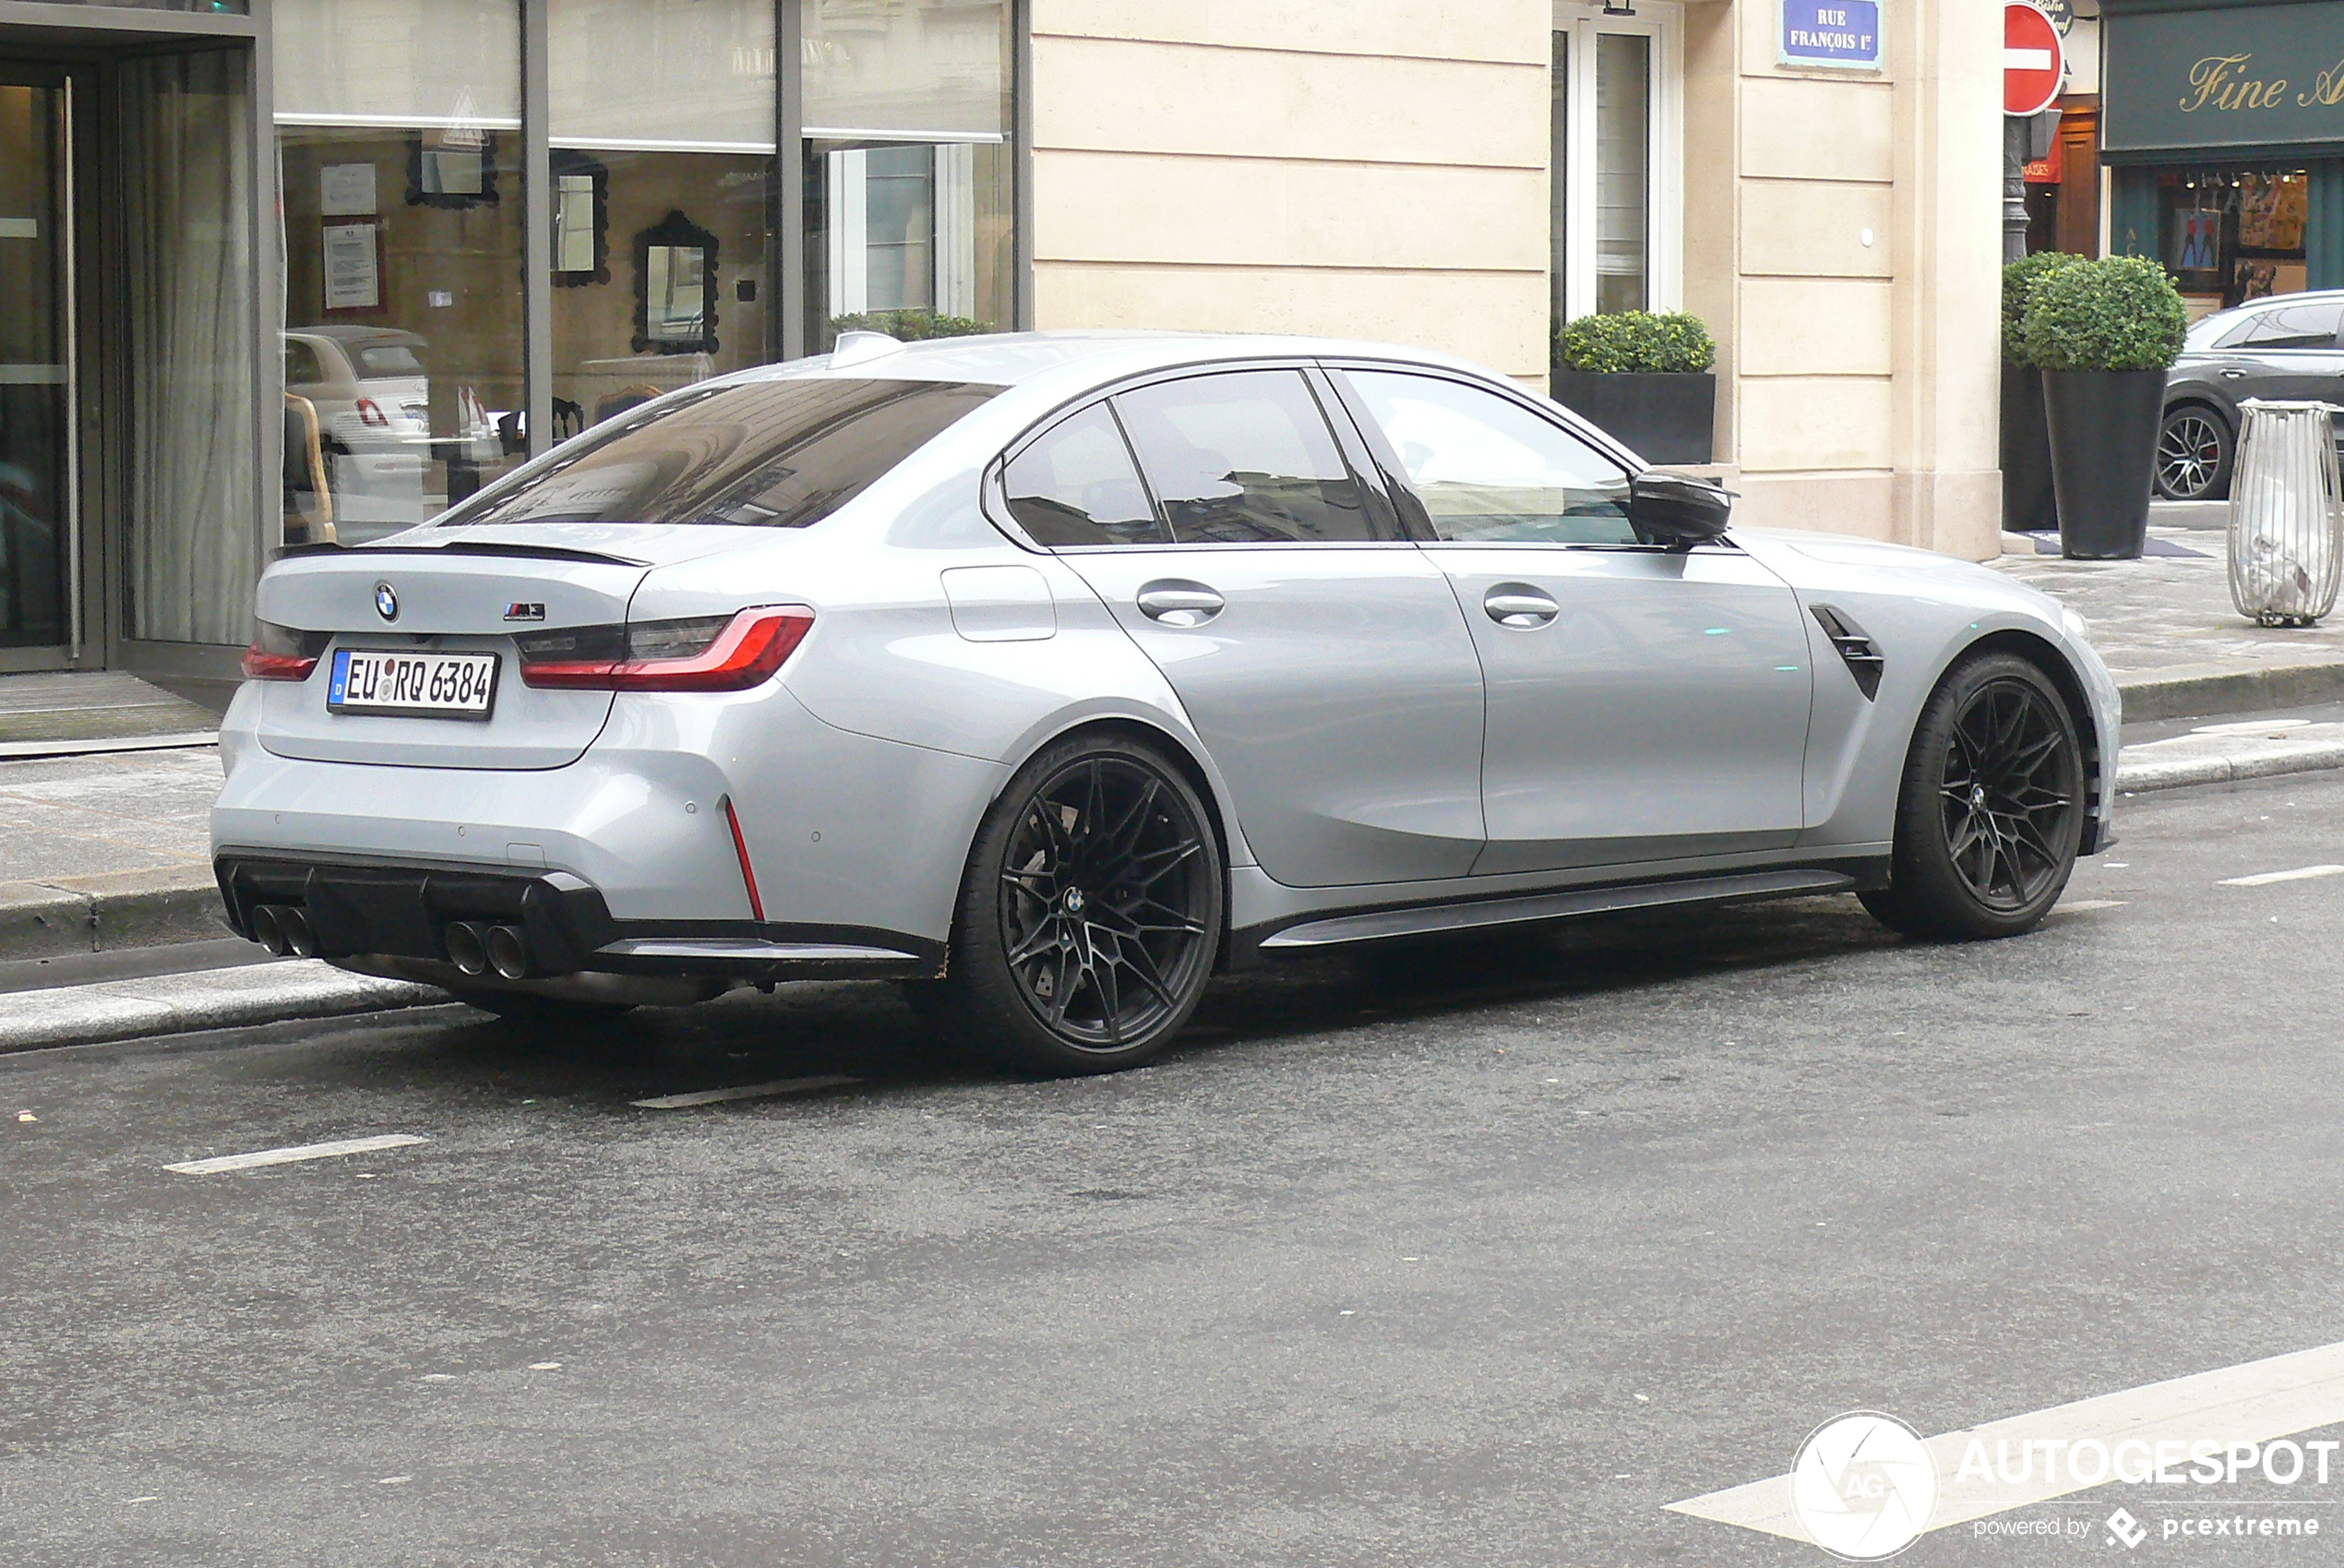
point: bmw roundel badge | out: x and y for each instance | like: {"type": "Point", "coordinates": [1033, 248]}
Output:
{"type": "Point", "coordinates": [385, 602]}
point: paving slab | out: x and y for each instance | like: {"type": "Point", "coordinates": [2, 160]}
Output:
{"type": "Point", "coordinates": [93, 704]}
{"type": "Point", "coordinates": [2177, 647]}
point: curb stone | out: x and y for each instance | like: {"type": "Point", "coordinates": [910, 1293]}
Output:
{"type": "Point", "coordinates": [56, 915]}
{"type": "Point", "coordinates": [2187, 691]}
{"type": "Point", "coordinates": [218, 999]}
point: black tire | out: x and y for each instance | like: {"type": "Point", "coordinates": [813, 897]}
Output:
{"type": "Point", "coordinates": [526, 1007]}
{"type": "Point", "coordinates": [1991, 809]}
{"type": "Point", "coordinates": [1090, 915]}
{"type": "Point", "coordinates": [2195, 447]}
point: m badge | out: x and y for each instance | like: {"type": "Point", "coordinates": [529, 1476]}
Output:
{"type": "Point", "coordinates": [523, 612]}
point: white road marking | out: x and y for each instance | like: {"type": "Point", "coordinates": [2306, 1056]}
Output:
{"type": "Point", "coordinates": [2081, 904]}
{"type": "Point", "coordinates": [745, 1091]}
{"type": "Point", "coordinates": [295, 1154]}
{"type": "Point", "coordinates": [2300, 874]}
{"type": "Point", "coordinates": [2253, 1403]}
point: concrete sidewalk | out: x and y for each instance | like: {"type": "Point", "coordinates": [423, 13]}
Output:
{"type": "Point", "coordinates": [2166, 627]}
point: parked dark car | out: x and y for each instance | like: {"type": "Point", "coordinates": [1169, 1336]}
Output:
{"type": "Point", "coordinates": [2285, 347]}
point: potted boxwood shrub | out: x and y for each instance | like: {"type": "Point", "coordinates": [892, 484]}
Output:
{"type": "Point", "coordinates": [1643, 377]}
{"type": "Point", "coordinates": [909, 326]}
{"type": "Point", "coordinates": [2027, 499]}
{"type": "Point", "coordinates": [2104, 333]}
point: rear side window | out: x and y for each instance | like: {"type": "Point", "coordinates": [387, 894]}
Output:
{"type": "Point", "coordinates": [1490, 471]}
{"type": "Point", "coordinates": [768, 454]}
{"type": "Point", "coordinates": [1244, 456]}
{"type": "Point", "coordinates": [2296, 326]}
{"type": "Point", "coordinates": [1076, 485]}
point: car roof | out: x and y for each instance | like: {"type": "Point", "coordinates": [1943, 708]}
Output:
{"type": "Point", "coordinates": [357, 337]}
{"type": "Point", "coordinates": [1009, 359]}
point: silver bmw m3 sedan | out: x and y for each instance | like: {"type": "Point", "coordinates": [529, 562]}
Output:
{"type": "Point", "coordinates": [1050, 675]}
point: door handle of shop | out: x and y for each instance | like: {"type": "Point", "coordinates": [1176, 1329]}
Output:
{"type": "Point", "coordinates": [1519, 605]}
{"type": "Point", "coordinates": [1181, 603]}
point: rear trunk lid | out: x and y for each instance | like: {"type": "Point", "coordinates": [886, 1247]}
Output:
{"type": "Point", "coordinates": [453, 592]}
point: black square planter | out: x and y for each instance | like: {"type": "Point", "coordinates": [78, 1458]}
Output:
{"type": "Point", "coordinates": [1666, 416]}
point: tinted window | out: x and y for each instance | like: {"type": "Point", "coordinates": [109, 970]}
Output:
{"type": "Point", "coordinates": [769, 454]}
{"type": "Point", "coordinates": [2287, 327]}
{"type": "Point", "coordinates": [1244, 457]}
{"type": "Point", "coordinates": [1490, 471]}
{"type": "Point", "coordinates": [302, 368]}
{"type": "Point", "coordinates": [2297, 326]}
{"type": "Point", "coordinates": [1076, 485]}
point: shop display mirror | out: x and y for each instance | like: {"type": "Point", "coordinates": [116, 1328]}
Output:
{"type": "Point", "coordinates": [676, 288]}
{"type": "Point", "coordinates": [581, 221]}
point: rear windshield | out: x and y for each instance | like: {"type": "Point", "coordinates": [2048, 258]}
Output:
{"type": "Point", "coordinates": [397, 359]}
{"type": "Point", "coordinates": [769, 454]}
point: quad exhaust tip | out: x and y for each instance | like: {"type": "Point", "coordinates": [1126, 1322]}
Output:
{"type": "Point", "coordinates": [507, 952]}
{"type": "Point", "coordinates": [267, 931]}
{"type": "Point", "coordinates": [283, 929]}
{"type": "Point", "coordinates": [476, 948]}
{"type": "Point", "coordinates": [467, 948]}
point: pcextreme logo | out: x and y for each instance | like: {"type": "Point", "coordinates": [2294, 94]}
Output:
{"type": "Point", "coordinates": [1864, 1485]}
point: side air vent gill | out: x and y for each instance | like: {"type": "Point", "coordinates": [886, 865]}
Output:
{"type": "Point", "coordinates": [1856, 647]}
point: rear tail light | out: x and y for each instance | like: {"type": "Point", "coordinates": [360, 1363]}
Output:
{"type": "Point", "coordinates": [370, 414]}
{"type": "Point", "coordinates": [701, 653]}
{"type": "Point", "coordinates": [279, 652]}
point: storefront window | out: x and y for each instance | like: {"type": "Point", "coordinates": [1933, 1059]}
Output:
{"type": "Point", "coordinates": [908, 176]}
{"type": "Point", "coordinates": [2232, 235]}
{"type": "Point", "coordinates": [399, 167]}
{"type": "Point", "coordinates": [662, 167]}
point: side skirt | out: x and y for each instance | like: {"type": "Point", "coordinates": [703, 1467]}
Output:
{"type": "Point", "coordinates": [1466, 914]}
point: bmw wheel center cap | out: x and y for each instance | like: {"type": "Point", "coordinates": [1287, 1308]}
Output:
{"type": "Point", "coordinates": [385, 602]}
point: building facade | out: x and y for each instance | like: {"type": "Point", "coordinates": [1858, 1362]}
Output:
{"type": "Point", "coordinates": [2223, 128]}
{"type": "Point", "coordinates": [307, 270]}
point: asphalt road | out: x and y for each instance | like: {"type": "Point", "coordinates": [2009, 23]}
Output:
{"type": "Point", "coordinates": [1441, 1256]}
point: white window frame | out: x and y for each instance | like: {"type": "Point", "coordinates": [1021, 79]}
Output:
{"type": "Point", "coordinates": [1663, 22]}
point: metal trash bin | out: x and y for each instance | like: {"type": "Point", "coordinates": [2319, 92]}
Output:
{"type": "Point", "coordinates": [2287, 513]}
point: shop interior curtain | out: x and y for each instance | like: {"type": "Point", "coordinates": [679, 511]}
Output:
{"type": "Point", "coordinates": [186, 183]}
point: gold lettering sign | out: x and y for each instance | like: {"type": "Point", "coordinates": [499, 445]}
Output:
{"type": "Point", "coordinates": [2327, 90]}
{"type": "Point", "coordinates": [2221, 82]}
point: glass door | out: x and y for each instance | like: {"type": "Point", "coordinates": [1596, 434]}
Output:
{"type": "Point", "coordinates": [36, 491]}
{"type": "Point", "coordinates": [1615, 146]}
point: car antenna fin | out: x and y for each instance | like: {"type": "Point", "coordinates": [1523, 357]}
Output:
{"type": "Point", "coordinates": [861, 347]}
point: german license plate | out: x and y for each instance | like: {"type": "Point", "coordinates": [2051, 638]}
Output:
{"type": "Point", "coordinates": [413, 686]}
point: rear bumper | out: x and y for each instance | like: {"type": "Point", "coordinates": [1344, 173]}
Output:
{"type": "Point", "coordinates": [372, 909]}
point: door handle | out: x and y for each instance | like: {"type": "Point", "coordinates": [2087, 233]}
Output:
{"type": "Point", "coordinates": [1181, 603]}
{"type": "Point", "coordinates": [1520, 605]}
{"type": "Point", "coordinates": [2234, 375]}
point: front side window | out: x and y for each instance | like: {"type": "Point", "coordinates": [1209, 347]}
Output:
{"type": "Point", "coordinates": [1490, 471]}
{"type": "Point", "coordinates": [1244, 456]}
{"type": "Point", "coordinates": [1076, 485]}
{"type": "Point", "coordinates": [769, 454]}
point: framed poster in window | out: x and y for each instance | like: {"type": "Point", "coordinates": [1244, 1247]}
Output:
{"type": "Point", "coordinates": [352, 270]}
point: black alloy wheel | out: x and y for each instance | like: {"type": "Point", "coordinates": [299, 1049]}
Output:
{"type": "Point", "coordinates": [2193, 455]}
{"type": "Point", "coordinates": [1993, 809]}
{"type": "Point", "coordinates": [1091, 916]}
